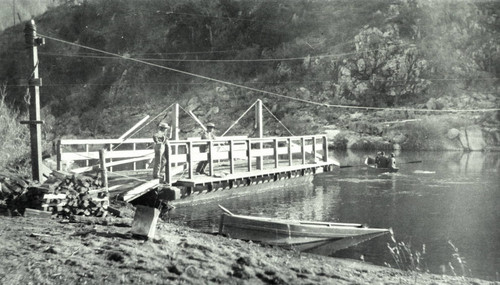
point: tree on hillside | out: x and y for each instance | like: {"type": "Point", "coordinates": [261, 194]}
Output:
{"type": "Point", "coordinates": [455, 39]}
{"type": "Point", "coordinates": [384, 69]}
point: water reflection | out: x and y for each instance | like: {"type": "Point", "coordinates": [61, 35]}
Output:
{"type": "Point", "coordinates": [450, 196]}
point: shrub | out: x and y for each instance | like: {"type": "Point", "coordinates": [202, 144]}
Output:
{"type": "Point", "coordinates": [429, 133]}
{"type": "Point", "coordinates": [15, 137]}
{"type": "Point", "coordinates": [406, 258]}
{"type": "Point", "coordinates": [458, 261]}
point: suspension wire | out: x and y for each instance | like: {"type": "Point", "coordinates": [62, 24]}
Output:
{"type": "Point", "coordinates": [278, 120]}
{"type": "Point", "coordinates": [223, 60]}
{"type": "Point", "coordinates": [138, 130]}
{"type": "Point", "coordinates": [115, 147]}
{"type": "Point", "coordinates": [182, 72]}
{"type": "Point", "coordinates": [238, 119]}
{"type": "Point", "coordinates": [263, 91]}
{"type": "Point", "coordinates": [267, 82]}
{"type": "Point", "coordinates": [191, 116]}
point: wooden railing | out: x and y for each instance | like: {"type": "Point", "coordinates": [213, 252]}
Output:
{"type": "Point", "coordinates": [236, 154]}
{"type": "Point", "coordinates": [130, 154]}
{"type": "Point", "coordinates": [272, 152]}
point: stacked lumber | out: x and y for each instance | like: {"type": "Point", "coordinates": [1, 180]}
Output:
{"type": "Point", "coordinates": [62, 194]}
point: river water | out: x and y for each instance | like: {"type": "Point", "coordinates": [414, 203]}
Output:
{"type": "Point", "coordinates": [450, 197]}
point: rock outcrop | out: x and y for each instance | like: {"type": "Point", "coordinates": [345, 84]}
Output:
{"type": "Point", "coordinates": [471, 138]}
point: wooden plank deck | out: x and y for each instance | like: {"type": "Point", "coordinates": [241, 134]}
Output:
{"type": "Point", "coordinates": [201, 180]}
{"type": "Point", "coordinates": [126, 181]}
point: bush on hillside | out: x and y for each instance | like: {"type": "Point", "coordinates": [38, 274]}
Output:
{"type": "Point", "coordinates": [367, 52]}
{"type": "Point", "coordinates": [429, 133]}
{"type": "Point", "coordinates": [385, 71]}
{"type": "Point", "coordinates": [15, 137]}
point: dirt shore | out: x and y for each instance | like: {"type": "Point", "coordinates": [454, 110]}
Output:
{"type": "Point", "coordinates": [102, 251]}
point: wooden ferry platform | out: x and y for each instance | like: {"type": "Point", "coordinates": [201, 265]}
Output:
{"type": "Point", "coordinates": [232, 162]}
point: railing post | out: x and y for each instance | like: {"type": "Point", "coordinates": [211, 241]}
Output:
{"type": "Point", "coordinates": [134, 165]}
{"type": "Point", "coordinates": [314, 148]}
{"type": "Point", "coordinates": [110, 148]}
{"type": "Point", "coordinates": [249, 154]}
{"type": "Point", "coordinates": [260, 159]}
{"type": "Point", "coordinates": [231, 156]}
{"type": "Point", "coordinates": [325, 149]}
{"type": "Point", "coordinates": [290, 154]}
{"type": "Point", "coordinates": [303, 149]}
{"type": "Point", "coordinates": [87, 153]}
{"type": "Point", "coordinates": [190, 159]}
{"type": "Point", "coordinates": [59, 154]}
{"type": "Point", "coordinates": [168, 172]}
{"type": "Point", "coordinates": [210, 157]}
{"type": "Point", "coordinates": [104, 172]}
{"type": "Point", "coordinates": [276, 157]}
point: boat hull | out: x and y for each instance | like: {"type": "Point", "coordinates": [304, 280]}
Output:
{"type": "Point", "coordinates": [315, 237]}
{"type": "Point", "coordinates": [370, 163]}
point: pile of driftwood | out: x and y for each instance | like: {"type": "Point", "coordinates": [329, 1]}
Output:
{"type": "Point", "coordinates": [62, 194]}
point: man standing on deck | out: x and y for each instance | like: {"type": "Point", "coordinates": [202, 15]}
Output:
{"type": "Point", "coordinates": [207, 135]}
{"type": "Point", "coordinates": [160, 138]}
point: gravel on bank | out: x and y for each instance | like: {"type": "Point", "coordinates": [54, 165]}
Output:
{"type": "Point", "coordinates": [102, 251]}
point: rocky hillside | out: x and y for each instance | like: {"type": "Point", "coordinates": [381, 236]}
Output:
{"type": "Point", "coordinates": [16, 11]}
{"type": "Point", "coordinates": [412, 53]}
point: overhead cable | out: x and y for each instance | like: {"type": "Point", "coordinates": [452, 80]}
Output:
{"type": "Point", "coordinates": [259, 90]}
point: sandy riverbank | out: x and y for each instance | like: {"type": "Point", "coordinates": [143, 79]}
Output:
{"type": "Point", "coordinates": [102, 251]}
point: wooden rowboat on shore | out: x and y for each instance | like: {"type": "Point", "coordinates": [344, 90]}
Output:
{"type": "Point", "coordinates": [308, 236]}
{"type": "Point", "coordinates": [370, 162]}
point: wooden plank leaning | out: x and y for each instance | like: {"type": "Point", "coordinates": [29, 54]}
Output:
{"type": "Point", "coordinates": [141, 189]}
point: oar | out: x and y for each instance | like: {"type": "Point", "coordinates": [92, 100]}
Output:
{"type": "Point", "coordinates": [416, 161]}
{"type": "Point", "coordinates": [226, 210]}
{"type": "Point", "coordinates": [347, 166]}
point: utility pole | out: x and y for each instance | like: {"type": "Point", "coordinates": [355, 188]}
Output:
{"type": "Point", "coordinates": [34, 83]}
{"type": "Point", "coordinates": [14, 11]}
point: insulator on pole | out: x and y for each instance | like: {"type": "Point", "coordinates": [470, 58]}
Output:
{"type": "Point", "coordinates": [30, 37]}
{"type": "Point", "coordinates": [30, 33]}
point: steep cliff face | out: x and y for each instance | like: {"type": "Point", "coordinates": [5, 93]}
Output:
{"type": "Point", "coordinates": [414, 53]}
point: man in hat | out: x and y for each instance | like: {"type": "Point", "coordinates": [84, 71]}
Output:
{"type": "Point", "coordinates": [378, 158]}
{"type": "Point", "coordinates": [392, 160]}
{"type": "Point", "coordinates": [207, 135]}
{"type": "Point", "coordinates": [160, 138]}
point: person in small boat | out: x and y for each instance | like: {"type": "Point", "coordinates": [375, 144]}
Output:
{"type": "Point", "coordinates": [392, 160]}
{"type": "Point", "coordinates": [377, 158]}
{"type": "Point", "coordinates": [159, 139]}
{"type": "Point", "coordinates": [207, 135]}
{"type": "Point", "coordinates": [383, 161]}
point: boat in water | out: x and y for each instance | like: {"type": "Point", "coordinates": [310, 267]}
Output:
{"type": "Point", "coordinates": [370, 162]}
{"type": "Point", "coordinates": [309, 236]}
